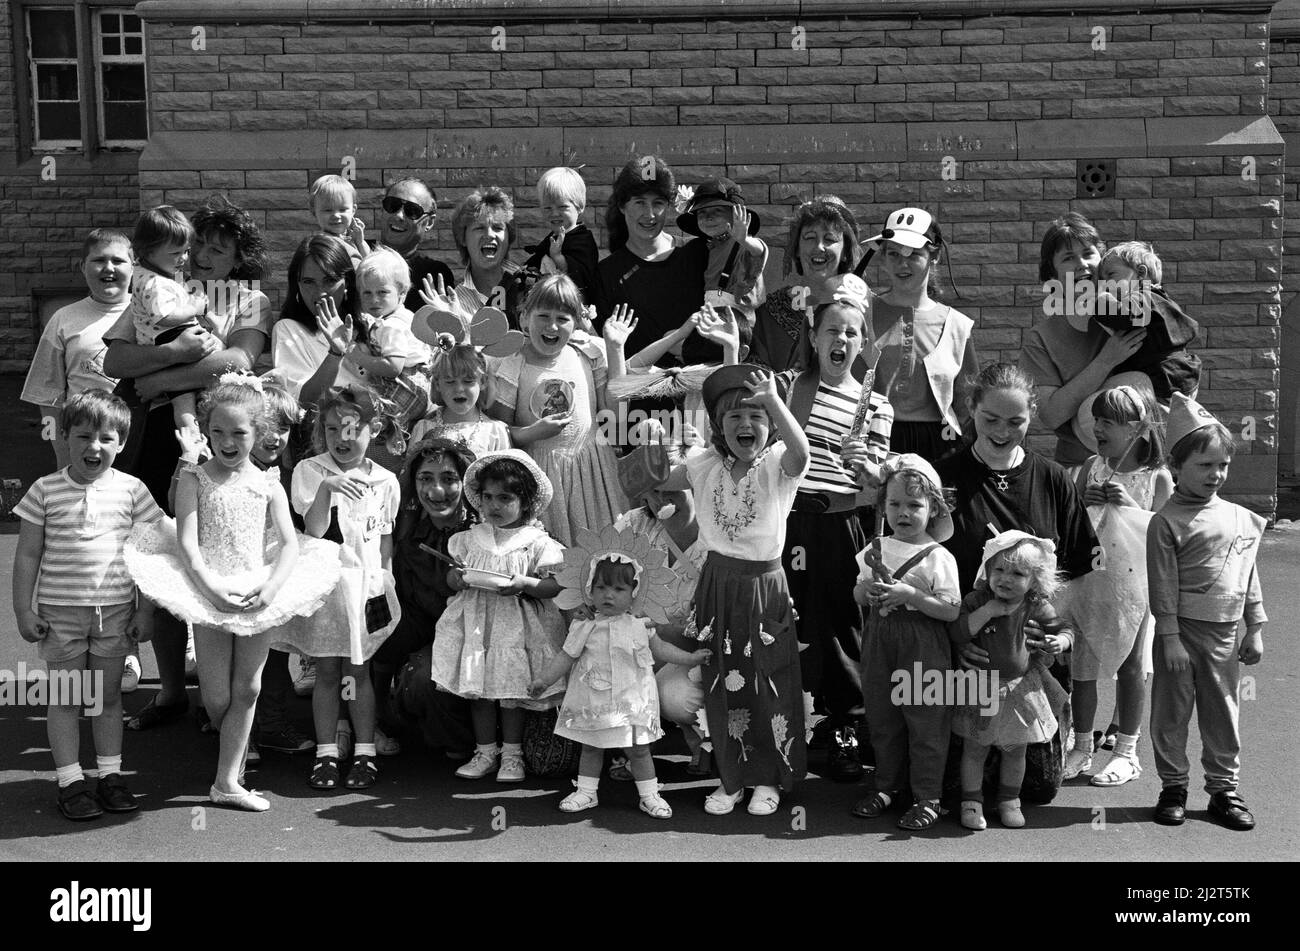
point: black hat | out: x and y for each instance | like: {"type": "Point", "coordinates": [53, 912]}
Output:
{"type": "Point", "coordinates": [716, 191]}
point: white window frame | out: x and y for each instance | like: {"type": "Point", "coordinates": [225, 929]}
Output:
{"type": "Point", "coordinates": [51, 145]}
{"type": "Point", "coordinates": [101, 59]}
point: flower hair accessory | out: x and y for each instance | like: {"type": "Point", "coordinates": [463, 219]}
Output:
{"type": "Point", "coordinates": [235, 378]}
{"type": "Point", "coordinates": [653, 594]}
{"type": "Point", "coordinates": [488, 331]}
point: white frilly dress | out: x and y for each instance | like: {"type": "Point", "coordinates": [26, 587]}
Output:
{"type": "Point", "coordinates": [235, 543]}
{"type": "Point", "coordinates": [612, 701]}
{"type": "Point", "coordinates": [363, 610]}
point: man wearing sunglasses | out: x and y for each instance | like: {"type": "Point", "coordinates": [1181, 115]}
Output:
{"type": "Point", "coordinates": [410, 211]}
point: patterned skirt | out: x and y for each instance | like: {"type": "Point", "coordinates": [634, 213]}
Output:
{"type": "Point", "coordinates": [753, 695]}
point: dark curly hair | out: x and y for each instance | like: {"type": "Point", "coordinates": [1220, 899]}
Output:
{"type": "Point", "coordinates": [632, 182]}
{"type": "Point", "coordinates": [514, 478]}
{"type": "Point", "coordinates": [219, 215]}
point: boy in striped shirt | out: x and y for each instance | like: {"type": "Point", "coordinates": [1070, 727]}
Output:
{"type": "Point", "coordinates": [84, 615]}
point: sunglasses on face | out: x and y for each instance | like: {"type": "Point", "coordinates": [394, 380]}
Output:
{"type": "Point", "coordinates": [393, 205]}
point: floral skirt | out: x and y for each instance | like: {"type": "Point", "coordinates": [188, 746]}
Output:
{"type": "Point", "coordinates": [753, 695]}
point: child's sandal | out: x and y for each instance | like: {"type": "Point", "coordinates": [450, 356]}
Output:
{"type": "Point", "coordinates": [325, 774]}
{"type": "Point", "coordinates": [920, 817]}
{"type": "Point", "coordinates": [873, 806]}
{"type": "Point", "coordinates": [578, 801]}
{"type": "Point", "coordinates": [363, 774]}
{"type": "Point", "coordinates": [656, 807]}
{"type": "Point", "coordinates": [1120, 770]}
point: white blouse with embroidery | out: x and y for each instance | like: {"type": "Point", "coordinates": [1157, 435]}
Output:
{"type": "Point", "coordinates": [744, 519]}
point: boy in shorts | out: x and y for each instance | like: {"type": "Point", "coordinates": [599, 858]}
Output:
{"type": "Point", "coordinates": [84, 615]}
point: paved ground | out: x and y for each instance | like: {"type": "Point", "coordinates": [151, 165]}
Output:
{"type": "Point", "coordinates": [420, 811]}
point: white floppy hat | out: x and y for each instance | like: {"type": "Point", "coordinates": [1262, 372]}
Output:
{"type": "Point", "coordinates": [544, 489]}
{"type": "Point", "coordinates": [1083, 421]}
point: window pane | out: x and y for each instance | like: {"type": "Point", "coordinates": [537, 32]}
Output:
{"type": "Point", "coordinates": [123, 82]}
{"type": "Point", "coordinates": [109, 23]}
{"type": "Point", "coordinates": [56, 81]}
{"type": "Point", "coordinates": [125, 120]}
{"type": "Point", "coordinates": [58, 120]}
{"type": "Point", "coordinates": [53, 34]}
{"type": "Point", "coordinates": [112, 46]}
{"type": "Point", "coordinates": [131, 23]}
{"type": "Point", "coordinates": [134, 46]}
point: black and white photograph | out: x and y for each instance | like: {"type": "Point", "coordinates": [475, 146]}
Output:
{"type": "Point", "coordinates": [728, 431]}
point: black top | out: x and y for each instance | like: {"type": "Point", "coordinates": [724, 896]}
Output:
{"type": "Point", "coordinates": [1040, 498]}
{"type": "Point", "coordinates": [425, 264]}
{"type": "Point", "coordinates": [580, 254]}
{"type": "Point", "coordinates": [663, 294]}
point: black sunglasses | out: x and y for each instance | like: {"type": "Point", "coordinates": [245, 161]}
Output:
{"type": "Point", "coordinates": [393, 205]}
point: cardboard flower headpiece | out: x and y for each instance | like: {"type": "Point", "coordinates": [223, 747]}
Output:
{"type": "Point", "coordinates": [653, 597]}
{"type": "Point", "coordinates": [488, 330]}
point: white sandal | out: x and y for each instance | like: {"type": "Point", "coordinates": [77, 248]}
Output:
{"type": "Point", "coordinates": [656, 806]}
{"type": "Point", "coordinates": [765, 801]}
{"type": "Point", "coordinates": [578, 801]}
{"type": "Point", "coordinates": [720, 802]}
{"type": "Point", "coordinates": [1120, 770]}
{"type": "Point", "coordinates": [1076, 763]}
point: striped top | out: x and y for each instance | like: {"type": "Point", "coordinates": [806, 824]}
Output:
{"type": "Point", "coordinates": [829, 422]}
{"type": "Point", "coordinates": [85, 530]}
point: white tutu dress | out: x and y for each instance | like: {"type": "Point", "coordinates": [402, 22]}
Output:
{"type": "Point", "coordinates": [235, 544]}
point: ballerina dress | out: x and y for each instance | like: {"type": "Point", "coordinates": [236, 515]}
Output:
{"type": "Point", "coordinates": [233, 541]}
{"type": "Point", "coordinates": [611, 701]}
{"type": "Point", "coordinates": [488, 646]}
{"type": "Point", "coordinates": [579, 462]}
{"type": "Point", "coordinates": [1029, 700]}
{"type": "Point", "coordinates": [363, 610]}
{"type": "Point", "coordinates": [1111, 607]}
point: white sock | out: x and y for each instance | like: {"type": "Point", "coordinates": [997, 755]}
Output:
{"type": "Point", "coordinates": [327, 749]}
{"type": "Point", "coordinates": [108, 765]}
{"type": "Point", "coordinates": [1126, 745]}
{"type": "Point", "coordinates": [645, 788]}
{"type": "Point", "coordinates": [364, 749]}
{"type": "Point", "coordinates": [588, 784]}
{"type": "Point", "coordinates": [67, 775]}
{"type": "Point", "coordinates": [489, 749]}
{"type": "Point", "coordinates": [512, 749]}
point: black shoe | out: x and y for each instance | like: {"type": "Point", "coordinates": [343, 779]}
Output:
{"type": "Point", "coordinates": [1171, 808]}
{"type": "Point", "coordinates": [842, 758]}
{"type": "Point", "coordinates": [286, 740]}
{"type": "Point", "coordinates": [1230, 811]}
{"type": "Point", "coordinates": [76, 803]}
{"type": "Point", "coordinates": [113, 794]}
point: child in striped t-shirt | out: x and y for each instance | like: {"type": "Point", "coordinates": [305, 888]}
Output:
{"type": "Point", "coordinates": [824, 531]}
{"type": "Point", "coordinates": [84, 616]}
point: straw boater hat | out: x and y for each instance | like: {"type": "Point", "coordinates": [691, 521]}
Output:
{"type": "Point", "coordinates": [940, 527]}
{"type": "Point", "coordinates": [1083, 421]}
{"type": "Point", "coordinates": [1010, 539]}
{"type": "Point", "coordinates": [544, 489]}
{"type": "Point", "coordinates": [1185, 417]}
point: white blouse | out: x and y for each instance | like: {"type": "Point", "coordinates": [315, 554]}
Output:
{"type": "Point", "coordinates": [744, 519]}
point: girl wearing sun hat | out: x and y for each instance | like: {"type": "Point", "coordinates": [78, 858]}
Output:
{"type": "Point", "coordinates": [490, 642]}
{"type": "Point", "coordinates": [744, 486]}
{"type": "Point", "coordinates": [927, 355]}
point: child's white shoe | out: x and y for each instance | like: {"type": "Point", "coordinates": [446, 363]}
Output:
{"type": "Point", "coordinates": [512, 768]}
{"type": "Point", "coordinates": [972, 815]}
{"type": "Point", "coordinates": [1009, 814]}
{"type": "Point", "coordinates": [482, 763]}
{"type": "Point", "coordinates": [1076, 762]}
{"type": "Point", "coordinates": [720, 802]}
{"type": "Point", "coordinates": [578, 801]}
{"type": "Point", "coordinates": [1120, 770]}
{"type": "Point", "coordinates": [656, 807]}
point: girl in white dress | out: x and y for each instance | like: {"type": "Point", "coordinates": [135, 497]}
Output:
{"type": "Point", "coordinates": [344, 495]}
{"type": "Point", "coordinates": [612, 701]}
{"type": "Point", "coordinates": [500, 628]}
{"type": "Point", "coordinates": [1122, 485]}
